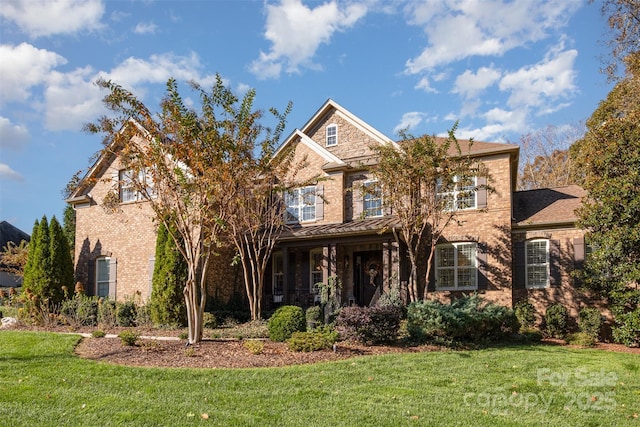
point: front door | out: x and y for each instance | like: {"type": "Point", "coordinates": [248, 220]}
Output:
{"type": "Point", "coordinates": [367, 277]}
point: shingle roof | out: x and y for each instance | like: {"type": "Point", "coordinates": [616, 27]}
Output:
{"type": "Point", "coordinates": [547, 205]}
{"type": "Point", "coordinates": [9, 233]}
{"type": "Point", "coordinates": [363, 226]}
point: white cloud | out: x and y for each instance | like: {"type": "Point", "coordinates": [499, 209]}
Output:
{"type": "Point", "coordinates": [460, 29]}
{"type": "Point", "coordinates": [469, 84]}
{"type": "Point", "coordinates": [410, 121]}
{"type": "Point", "coordinates": [145, 28]}
{"type": "Point", "coordinates": [12, 136]}
{"type": "Point", "coordinates": [425, 85]}
{"type": "Point", "coordinates": [550, 80]}
{"type": "Point", "coordinates": [48, 17]}
{"type": "Point", "coordinates": [72, 99]}
{"type": "Point", "coordinates": [7, 173]}
{"type": "Point", "coordinates": [22, 67]}
{"type": "Point", "coordinates": [296, 31]}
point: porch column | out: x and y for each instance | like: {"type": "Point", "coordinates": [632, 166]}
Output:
{"type": "Point", "coordinates": [285, 275]}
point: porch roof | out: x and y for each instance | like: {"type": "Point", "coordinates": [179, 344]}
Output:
{"type": "Point", "coordinates": [369, 226]}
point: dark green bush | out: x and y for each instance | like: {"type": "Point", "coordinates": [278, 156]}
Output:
{"type": "Point", "coordinates": [129, 337]}
{"type": "Point", "coordinates": [285, 321]}
{"type": "Point", "coordinates": [590, 321]}
{"type": "Point", "coordinates": [466, 319]}
{"type": "Point", "coordinates": [314, 317]}
{"type": "Point", "coordinates": [582, 339]}
{"type": "Point", "coordinates": [627, 328]}
{"type": "Point", "coordinates": [556, 321]}
{"type": "Point", "coordinates": [209, 320]}
{"type": "Point", "coordinates": [525, 313]}
{"type": "Point", "coordinates": [126, 313]}
{"type": "Point", "coordinates": [369, 325]}
{"type": "Point", "coordinates": [319, 339]}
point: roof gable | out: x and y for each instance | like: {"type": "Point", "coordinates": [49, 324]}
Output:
{"type": "Point", "coordinates": [547, 205]}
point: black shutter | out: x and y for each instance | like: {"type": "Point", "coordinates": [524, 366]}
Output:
{"type": "Point", "coordinates": [519, 273]}
{"type": "Point", "coordinates": [91, 279]}
{"type": "Point", "coordinates": [578, 259]}
{"type": "Point", "coordinates": [481, 258]}
{"type": "Point", "coordinates": [555, 278]}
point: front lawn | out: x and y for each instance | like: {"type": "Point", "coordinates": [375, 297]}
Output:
{"type": "Point", "coordinates": [43, 383]}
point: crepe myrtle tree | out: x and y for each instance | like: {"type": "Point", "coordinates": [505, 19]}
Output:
{"type": "Point", "coordinates": [417, 179]}
{"type": "Point", "coordinates": [183, 163]}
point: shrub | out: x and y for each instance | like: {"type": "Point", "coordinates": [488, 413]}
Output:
{"type": "Point", "coordinates": [106, 312]}
{"type": "Point", "coordinates": [254, 346]}
{"type": "Point", "coordinates": [314, 317]}
{"type": "Point", "coordinates": [285, 321]}
{"type": "Point", "coordinates": [582, 339]}
{"type": "Point", "coordinates": [320, 339]}
{"type": "Point", "coordinates": [590, 321]}
{"type": "Point", "coordinates": [391, 296]}
{"type": "Point", "coordinates": [129, 337]}
{"type": "Point", "coordinates": [80, 310]}
{"type": "Point", "coordinates": [143, 316]}
{"type": "Point", "coordinates": [126, 313]}
{"type": "Point", "coordinates": [209, 320]}
{"type": "Point", "coordinates": [369, 325]}
{"type": "Point", "coordinates": [556, 321]}
{"type": "Point", "coordinates": [466, 319]}
{"type": "Point", "coordinates": [627, 328]}
{"type": "Point", "coordinates": [98, 334]}
{"type": "Point", "coordinates": [525, 313]}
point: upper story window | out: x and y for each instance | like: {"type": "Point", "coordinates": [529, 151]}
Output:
{"type": "Point", "coordinates": [301, 204]}
{"type": "Point", "coordinates": [127, 186]}
{"type": "Point", "coordinates": [332, 135]}
{"type": "Point", "coordinates": [457, 266]}
{"type": "Point", "coordinates": [537, 263]}
{"type": "Point", "coordinates": [460, 194]}
{"type": "Point", "coordinates": [372, 200]}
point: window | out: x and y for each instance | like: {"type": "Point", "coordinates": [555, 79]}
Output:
{"type": "Point", "coordinates": [278, 274]}
{"type": "Point", "coordinates": [332, 135]}
{"type": "Point", "coordinates": [127, 189]}
{"type": "Point", "coordinates": [316, 268]}
{"type": "Point", "coordinates": [456, 266]}
{"type": "Point", "coordinates": [103, 276]}
{"type": "Point", "coordinates": [301, 204]}
{"type": "Point", "coordinates": [537, 263]}
{"type": "Point", "coordinates": [372, 199]}
{"type": "Point", "coordinates": [460, 194]}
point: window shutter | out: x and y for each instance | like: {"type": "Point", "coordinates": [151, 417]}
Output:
{"type": "Point", "coordinates": [152, 263]}
{"type": "Point", "coordinates": [519, 279]}
{"type": "Point", "coordinates": [91, 279]}
{"type": "Point", "coordinates": [319, 202]}
{"type": "Point", "coordinates": [578, 258]}
{"type": "Point", "coordinates": [481, 259]}
{"type": "Point", "coordinates": [113, 264]}
{"type": "Point", "coordinates": [555, 278]}
{"type": "Point", "coordinates": [357, 202]}
{"type": "Point", "coordinates": [481, 194]}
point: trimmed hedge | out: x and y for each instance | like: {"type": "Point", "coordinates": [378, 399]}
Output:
{"type": "Point", "coordinates": [556, 321]}
{"type": "Point", "coordinates": [285, 321]}
{"type": "Point", "coordinates": [369, 325]}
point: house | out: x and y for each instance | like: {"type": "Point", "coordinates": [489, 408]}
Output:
{"type": "Point", "coordinates": [508, 245]}
{"type": "Point", "coordinates": [9, 233]}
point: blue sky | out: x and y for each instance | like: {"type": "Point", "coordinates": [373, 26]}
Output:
{"type": "Point", "coordinates": [501, 68]}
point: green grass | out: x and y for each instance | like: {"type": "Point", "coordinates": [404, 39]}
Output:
{"type": "Point", "coordinates": [42, 383]}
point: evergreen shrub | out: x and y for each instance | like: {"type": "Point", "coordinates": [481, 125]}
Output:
{"type": "Point", "coordinates": [556, 321]}
{"type": "Point", "coordinates": [285, 321]}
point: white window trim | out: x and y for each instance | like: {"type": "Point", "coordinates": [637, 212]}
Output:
{"type": "Point", "coordinates": [455, 193]}
{"type": "Point", "coordinates": [299, 208]}
{"type": "Point", "coordinates": [313, 280]}
{"type": "Point", "coordinates": [334, 137]}
{"type": "Point", "coordinates": [124, 184]}
{"type": "Point", "coordinates": [527, 265]}
{"type": "Point", "coordinates": [455, 267]}
{"type": "Point", "coordinates": [373, 182]}
{"type": "Point", "coordinates": [107, 260]}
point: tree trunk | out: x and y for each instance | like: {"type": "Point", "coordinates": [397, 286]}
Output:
{"type": "Point", "coordinates": [428, 273]}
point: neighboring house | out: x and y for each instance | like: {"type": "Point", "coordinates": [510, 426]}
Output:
{"type": "Point", "coordinates": [338, 231]}
{"type": "Point", "coordinates": [9, 233]}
